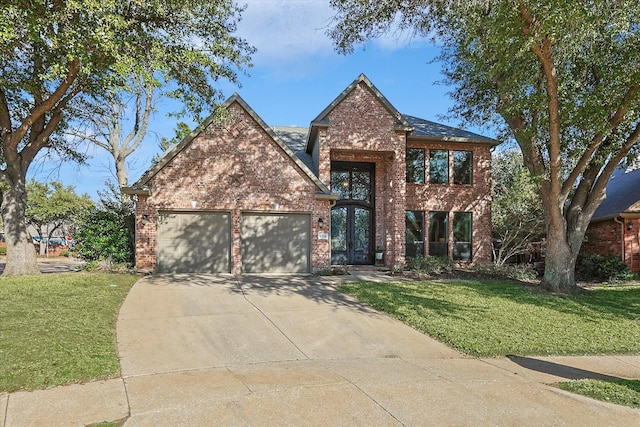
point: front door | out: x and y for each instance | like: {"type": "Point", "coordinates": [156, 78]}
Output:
{"type": "Point", "coordinates": [352, 216]}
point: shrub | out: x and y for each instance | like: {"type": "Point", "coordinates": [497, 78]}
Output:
{"type": "Point", "coordinates": [3, 250]}
{"type": "Point", "coordinates": [520, 272]}
{"type": "Point", "coordinates": [598, 267]}
{"type": "Point", "coordinates": [106, 232]}
{"type": "Point", "coordinates": [430, 265]}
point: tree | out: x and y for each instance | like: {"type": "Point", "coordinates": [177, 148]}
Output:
{"type": "Point", "coordinates": [561, 78]}
{"type": "Point", "coordinates": [517, 218]}
{"type": "Point", "coordinates": [52, 207]}
{"type": "Point", "coordinates": [182, 131]}
{"type": "Point", "coordinates": [105, 121]}
{"type": "Point", "coordinates": [56, 55]}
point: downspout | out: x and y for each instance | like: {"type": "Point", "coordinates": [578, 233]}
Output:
{"type": "Point", "coordinates": [624, 258]}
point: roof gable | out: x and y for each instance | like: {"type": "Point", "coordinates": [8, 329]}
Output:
{"type": "Point", "coordinates": [141, 186]}
{"type": "Point", "coordinates": [322, 119]}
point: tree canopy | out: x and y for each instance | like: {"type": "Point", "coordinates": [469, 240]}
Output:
{"type": "Point", "coordinates": [58, 56]}
{"type": "Point", "coordinates": [560, 77]}
{"type": "Point", "coordinates": [54, 207]}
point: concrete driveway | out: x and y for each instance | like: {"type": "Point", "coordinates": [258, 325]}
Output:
{"type": "Point", "coordinates": [283, 351]}
{"type": "Point", "coordinates": [214, 350]}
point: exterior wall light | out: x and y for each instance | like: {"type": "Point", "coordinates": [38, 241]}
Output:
{"type": "Point", "coordinates": [145, 220]}
{"type": "Point", "coordinates": [320, 223]}
{"type": "Point", "coordinates": [629, 225]}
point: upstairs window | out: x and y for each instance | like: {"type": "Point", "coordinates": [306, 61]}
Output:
{"type": "Point", "coordinates": [438, 166]}
{"type": "Point", "coordinates": [462, 167]}
{"type": "Point", "coordinates": [415, 165]}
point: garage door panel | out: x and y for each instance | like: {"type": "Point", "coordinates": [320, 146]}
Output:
{"type": "Point", "coordinates": [277, 243]}
{"type": "Point", "coordinates": [193, 243]}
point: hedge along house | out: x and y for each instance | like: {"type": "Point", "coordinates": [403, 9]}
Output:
{"type": "Point", "coordinates": [242, 197]}
{"type": "Point", "coordinates": [615, 227]}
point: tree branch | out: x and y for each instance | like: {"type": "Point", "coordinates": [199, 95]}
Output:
{"type": "Point", "coordinates": [144, 122]}
{"type": "Point", "coordinates": [614, 121]}
{"type": "Point", "coordinates": [48, 104]}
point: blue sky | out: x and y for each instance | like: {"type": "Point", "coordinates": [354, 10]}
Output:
{"type": "Point", "coordinates": [296, 74]}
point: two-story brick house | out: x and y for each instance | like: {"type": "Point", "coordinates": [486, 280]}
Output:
{"type": "Point", "coordinates": [240, 196]}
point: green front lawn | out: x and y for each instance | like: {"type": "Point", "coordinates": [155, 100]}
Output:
{"type": "Point", "coordinates": [499, 318]}
{"type": "Point", "coordinates": [620, 392]}
{"type": "Point", "coordinates": [59, 328]}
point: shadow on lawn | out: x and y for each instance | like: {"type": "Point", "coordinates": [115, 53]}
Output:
{"type": "Point", "coordinates": [559, 370]}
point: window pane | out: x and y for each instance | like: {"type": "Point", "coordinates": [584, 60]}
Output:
{"type": "Point", "coordinates": [340, 184]}
{"type": "Point", "coordinates": [414, 233]}
{"type": "Point", "coordinates": [415, 165]}
{"type": "Point", "coordinates": [438, 166]}
{"type": "Point", "coordinates": [438, 233]}
{"type": "Point", "coordinates": [462, 235]}
{"type": "Point", "coordinates": [361, 186]}
{"type": "Point", "coordinates": [362, 230]}
{"type": "Point", "coordinates": [462, 167]}
{"type": "Point", "coordinates": [339, 229]}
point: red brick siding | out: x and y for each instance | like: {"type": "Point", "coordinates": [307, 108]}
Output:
{"type": "Point", "coordinates": [361, 129]}
{"type": "Point", "coordinates": [234, 167]}
{"type": "Point", "coordinates": [475, 198]}
{"type": "Point", "coordinates": [605, 238]}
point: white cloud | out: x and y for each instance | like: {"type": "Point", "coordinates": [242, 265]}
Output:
{"type": "Point", "coordinates": [286, 30]}
{"type": "Point", "coordinates": [292, 30]}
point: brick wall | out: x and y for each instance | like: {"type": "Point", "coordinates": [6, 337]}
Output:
{"type": "Point", "coordinates": [231, 167]}
{"type": "Point", "coordinates": [475, 198]}
{"type": "Point", "coordinates": [605, 238]}
{"type": "Point", "coordinates": [361, 129]}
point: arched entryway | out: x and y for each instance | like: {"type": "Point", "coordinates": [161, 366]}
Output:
{"type": "Point", "coordinates": [352, 218]}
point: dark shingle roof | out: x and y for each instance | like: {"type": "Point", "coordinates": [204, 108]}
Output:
{"type": "Point", "coordinates": [623, 190]}
{"type": "Point", "coordinates": [296, 139]}
{"type": "Point", "coordinates": [428, 129]}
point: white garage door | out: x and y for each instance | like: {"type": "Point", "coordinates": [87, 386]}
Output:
{"type": "Point", "coordinates": [276, 243]}
{"type": "Point", "coordinates": [193, 242]}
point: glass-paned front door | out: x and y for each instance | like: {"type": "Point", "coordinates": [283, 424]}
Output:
{"type": "Point", "coordinates": [352, 217]}
{"type": "Point", "coordinates": [351, 228]}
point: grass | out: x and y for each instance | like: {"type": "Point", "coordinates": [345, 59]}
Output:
{"type": "Point", "coordinates": [500, 318]}
{"type": "Point", "coordinates": [620, 392]}
{"type": "Point", "coordinates": [59, 328]}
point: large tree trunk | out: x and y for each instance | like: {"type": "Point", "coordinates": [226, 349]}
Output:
{"type": "Point", "coordinates": [21, 254]}
{"type": "Point", "coordinates": [560, 265]}
{"type": "Point", "coordinates": [121, 170]}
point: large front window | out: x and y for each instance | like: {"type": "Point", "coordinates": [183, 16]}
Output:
{"type": "Point", "coordinates": [462, 236]}
{"type": "Point", "coordinates": [438, 233]}
{"type": "Point", "coordinates": [414, 226]}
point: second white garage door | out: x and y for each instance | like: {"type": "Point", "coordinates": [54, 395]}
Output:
{"type": "Point", "coordinates": [275, 243]}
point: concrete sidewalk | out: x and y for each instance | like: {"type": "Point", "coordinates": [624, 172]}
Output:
{"type": "Point", "coordinates": [220, 350]}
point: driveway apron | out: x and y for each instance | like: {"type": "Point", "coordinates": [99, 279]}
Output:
{"type": "Point", "coordinates": [287, 350]}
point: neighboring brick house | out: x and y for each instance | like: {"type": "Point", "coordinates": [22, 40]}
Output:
{"type": "Point", "coordinates": [615, 226]}
{"type": "Point", "coordinates": [239, 196]}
